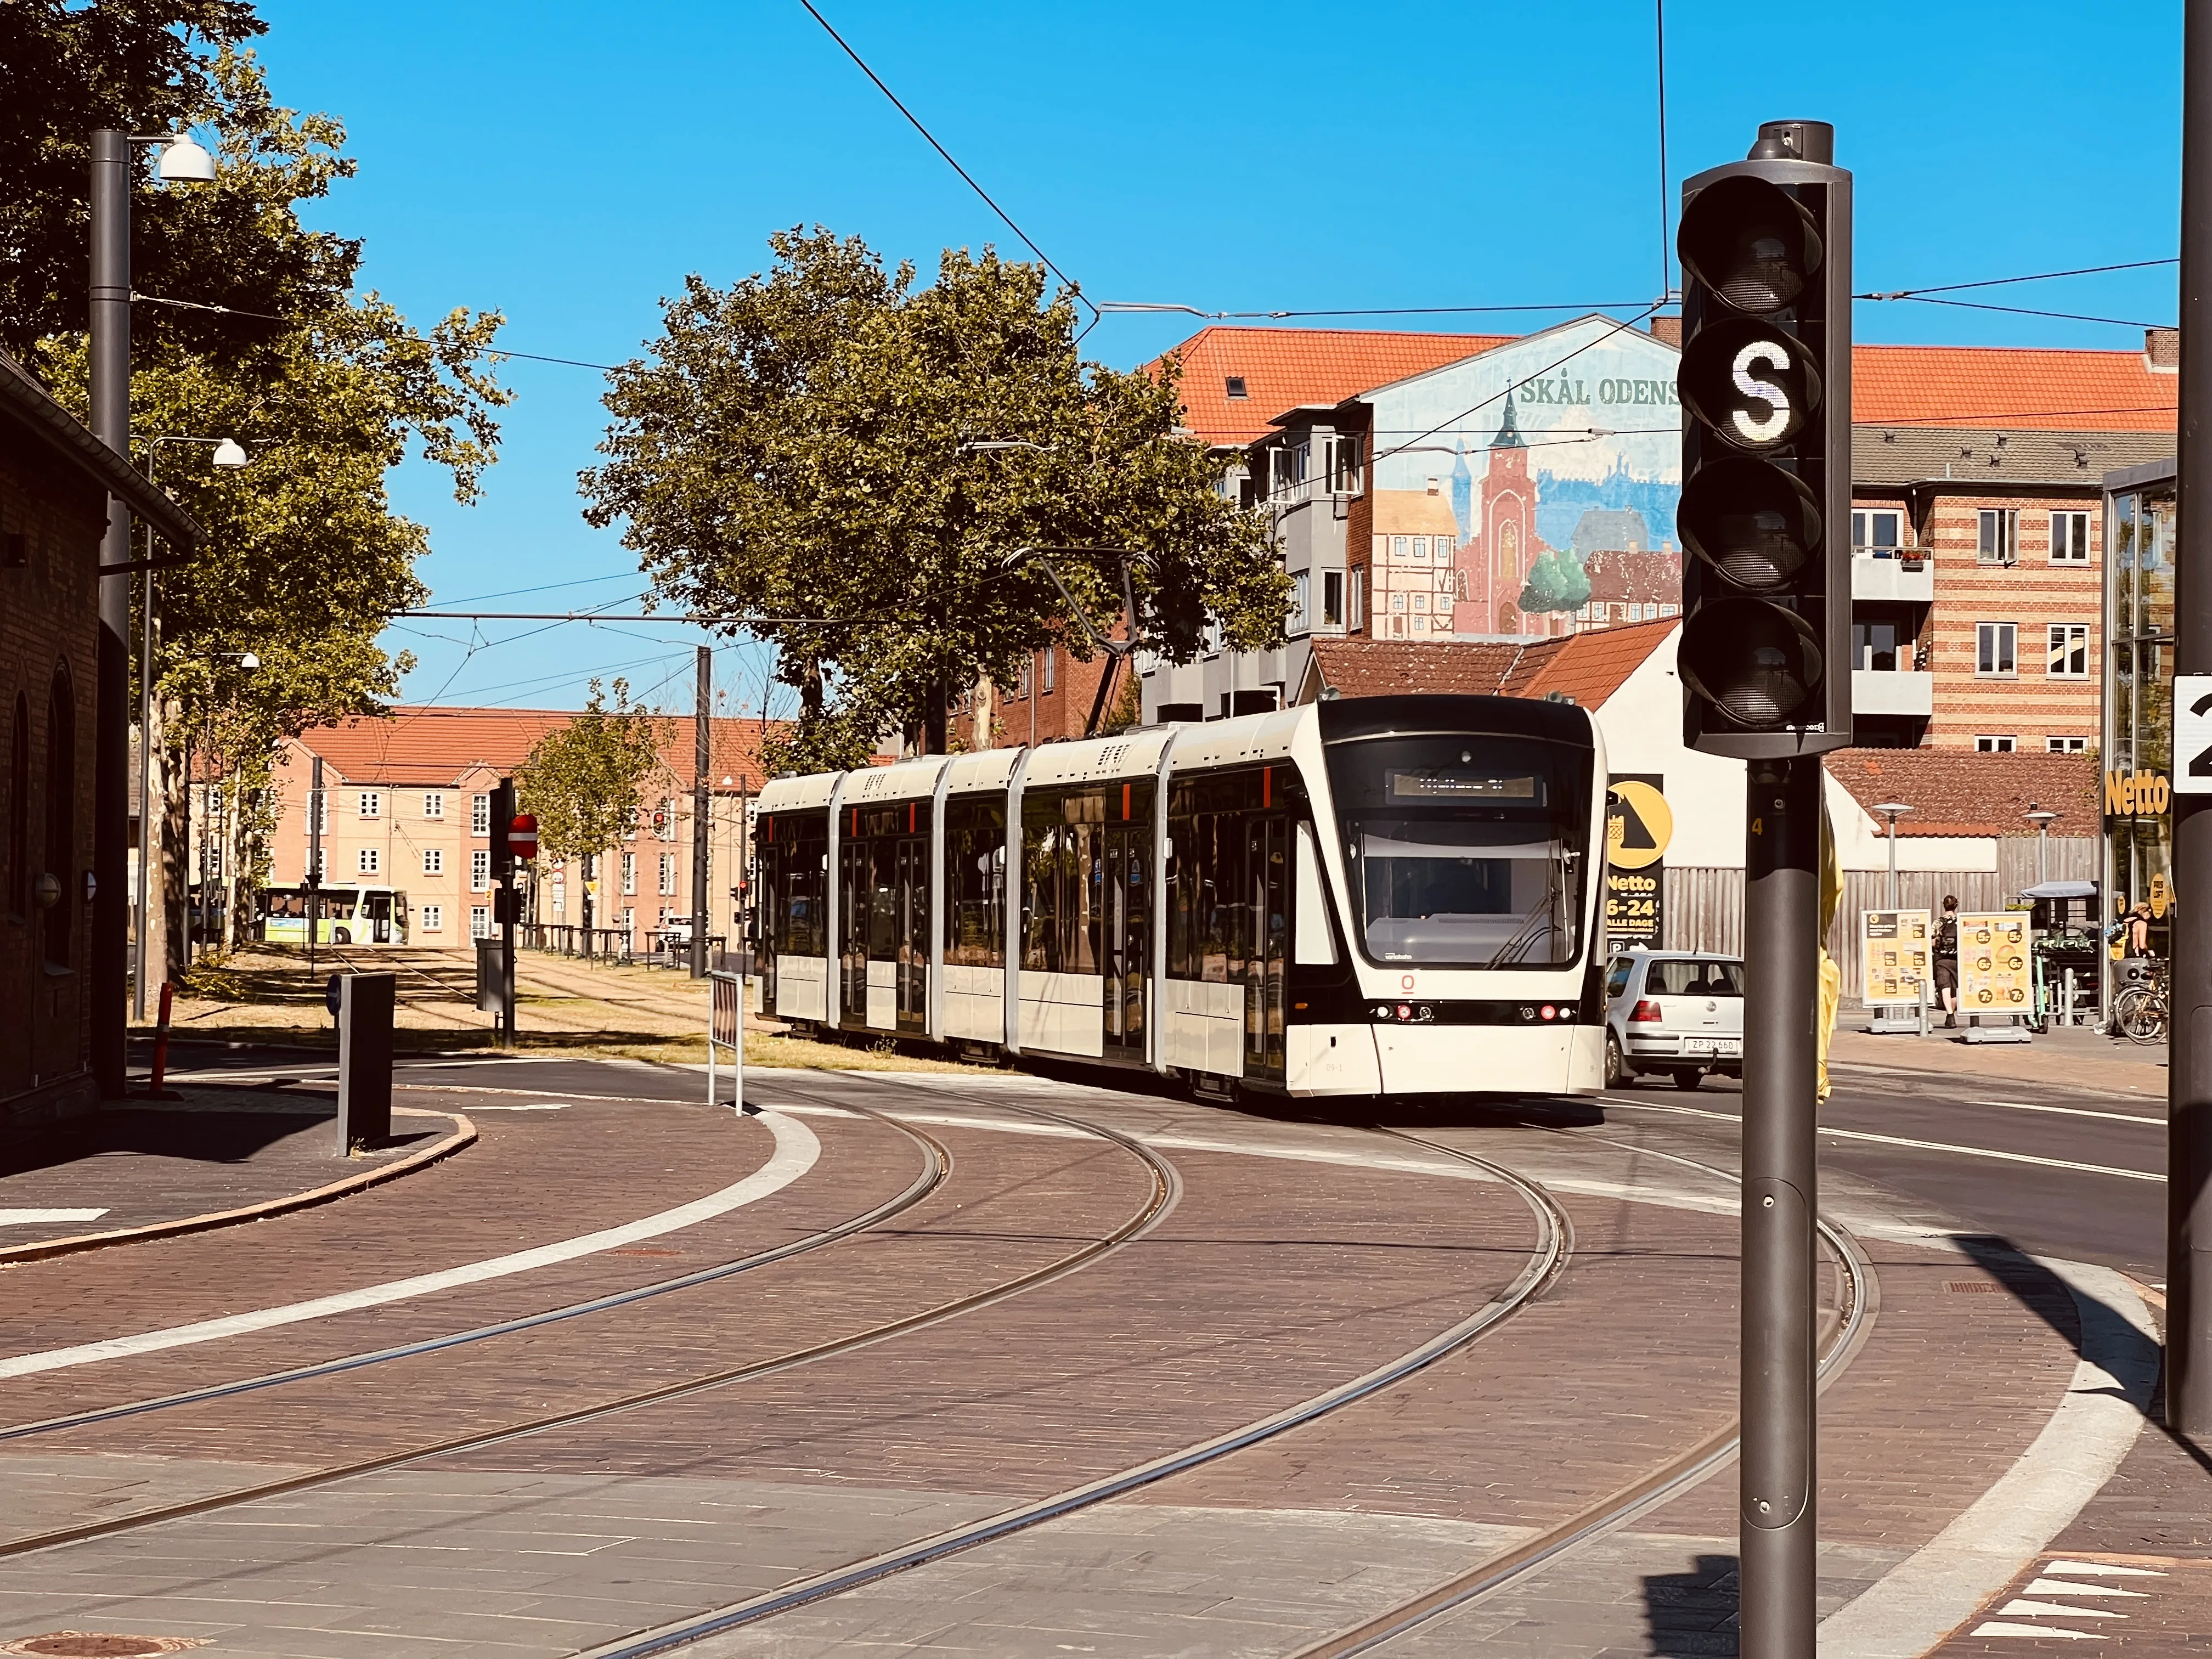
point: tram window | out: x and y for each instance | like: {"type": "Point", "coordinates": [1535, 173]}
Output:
{"type": "Point", "coordinates": [975, 873]}
{"type": "Point", "coordinates": [1467, 850]}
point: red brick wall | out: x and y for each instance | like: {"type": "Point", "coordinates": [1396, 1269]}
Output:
{"type": "Point", "coordinates": [49, 619]}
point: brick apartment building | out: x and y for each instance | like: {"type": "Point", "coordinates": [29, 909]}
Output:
{"type": "Point", "coordinates": [55, 481]}
{"type": "Point", "coordinates": [407, 804]}
{"type": "Point", "coordinates": [1977, 538]}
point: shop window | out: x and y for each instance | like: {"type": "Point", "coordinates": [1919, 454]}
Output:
{"type": "Point", "coordinates": [1996, 650]}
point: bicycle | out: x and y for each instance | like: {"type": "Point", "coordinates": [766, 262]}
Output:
{"type": "Point", "coordinates": [2139, 1010]}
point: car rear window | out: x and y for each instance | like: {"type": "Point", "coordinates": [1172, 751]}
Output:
{"type": "Point", "coordinates": [1694, 979]}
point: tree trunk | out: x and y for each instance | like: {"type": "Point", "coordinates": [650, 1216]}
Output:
{"type": "Point", "coordinates": [934, 719]}
{"type": "Point", "coordinates": [155, 922]}
{"type": "Point", "coordinates": [172, 862]}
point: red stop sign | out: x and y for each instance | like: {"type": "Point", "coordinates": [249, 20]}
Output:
{"type": "Point", "coordinates": [522, 836]}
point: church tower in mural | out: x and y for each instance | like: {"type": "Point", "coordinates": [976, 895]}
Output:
{"type": "Point", "coordinates": [1495, 560]}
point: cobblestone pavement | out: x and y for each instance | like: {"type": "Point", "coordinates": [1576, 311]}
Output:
{"type": "Point", "coordinates": [1297, 1254]}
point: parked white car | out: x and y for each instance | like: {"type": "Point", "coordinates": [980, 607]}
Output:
{"type": "Point", "coordinates": [1680, 1013]}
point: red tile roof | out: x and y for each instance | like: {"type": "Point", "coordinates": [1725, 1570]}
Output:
{"type": "Point", "coordinates": [2010, 387]}
{"type": "Point", "coordinates": [1283, 367]}
{"type": "Point", "coordinates": [1584, 668]}
{"type": "Point", "coordinates": [2023, 388]}
{"type": "Point", "coordinates": [1958, 792]}
{"type": "Point", "coordinates": [435, 746]}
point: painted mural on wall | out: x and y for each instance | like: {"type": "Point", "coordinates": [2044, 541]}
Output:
{"type": "Point", "coordinates": [1528, 491]}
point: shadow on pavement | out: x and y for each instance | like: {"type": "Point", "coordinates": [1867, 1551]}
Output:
{"type": "Point", "coordinates": [1694, 1613]}
{"type": "Point", "coordinates": [207, 1137]}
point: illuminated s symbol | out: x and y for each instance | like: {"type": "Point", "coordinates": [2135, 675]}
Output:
{"type": "Point", "coordinates": [1770, 356]}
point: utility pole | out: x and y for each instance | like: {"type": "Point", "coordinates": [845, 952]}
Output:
{"type": "Point", "coordinates": [314, 882]}
{"type": "Point", "coordinates": [2189, 1076]}
{"type": "Point", "coordinates": [702, 796]}
{"type": "Point", "coordinates": [112, 166]}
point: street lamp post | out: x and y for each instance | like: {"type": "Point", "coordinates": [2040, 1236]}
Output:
{"type": "Point", "coordinates": [1892, 809]}
{"type": "Point", "coordinates": [229, 456]}
{"type": "Point", "coordinates": [2042, 818]}
{"type": "Point", "coordinates": [110, 329]}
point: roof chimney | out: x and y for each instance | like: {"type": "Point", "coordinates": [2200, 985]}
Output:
{"type": "Point", "coordinates": [1668, 329]}
{"type": "Point", "coordinates": [1433, 485]}
{"type": "Point", "coordinates": [2162, 351]}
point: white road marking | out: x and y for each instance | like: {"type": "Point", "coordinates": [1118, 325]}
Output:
{"type": "Point", "coordinates": [796, 1152]}
{"type": "Point", "coordinates": [1936, 1589]}
{"type": "Point", "coordinates": [2019, 1608]}
{"type": "Point", "coordinates": [1998, 1627]}
{"type": "Point", "coordinates": [2071, 1111]}
{"type": "Point", "coordinates": [2063, 1587]}
{"type": "Point", "coordinates": [33, 1218]}
{"type": "Point", "coordinates": [1918, 1145]}
{"type": "Point", "coordinates": [539, 1106]}
{"type": "Point", "coordinates": [2100, 1570]}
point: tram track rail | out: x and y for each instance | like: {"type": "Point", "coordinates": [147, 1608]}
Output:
{"type": "Point", "coordinates": [1842, 1339]}
{"type": "Point", "coordinates": [1547, 1261]}
{"type": "Point", "coordinates": [1166, 1187]}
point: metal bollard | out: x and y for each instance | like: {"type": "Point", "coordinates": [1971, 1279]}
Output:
{"type": "Point", "coordinates": [365, 1007]}
{"type": "Point", "coordinates": [161, 1042]}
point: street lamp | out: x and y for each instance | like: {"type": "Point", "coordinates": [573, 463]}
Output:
{"type": "Point", "coordinates": [181, 161]}
{"type": "Point", "coordinates": [1894, 810]}
{"type": "Point", "coordinates": [230, 456]}
{"type": "Point", "coordinates": [2042, 818]}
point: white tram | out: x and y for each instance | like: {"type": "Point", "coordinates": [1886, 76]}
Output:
{"type": "Point", "coordinates": [1371, 896]}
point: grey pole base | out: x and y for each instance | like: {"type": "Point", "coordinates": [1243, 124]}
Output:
{"type": "Point", "coordinates": [365, 1009]}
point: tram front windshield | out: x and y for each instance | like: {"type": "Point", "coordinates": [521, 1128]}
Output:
{"type": "Point", "coordinates": [1465, 852]}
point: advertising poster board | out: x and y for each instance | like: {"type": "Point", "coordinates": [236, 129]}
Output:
{"type": "Point", "coordinates": [1893, 958]}
{"type": "Point", "coordinates": [1994, 976]}
{"type": "Point", "coordinates": [1638, 824]}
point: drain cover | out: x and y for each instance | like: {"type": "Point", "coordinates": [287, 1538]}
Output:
{"type": "Point", "coordinates": [99, 1644]}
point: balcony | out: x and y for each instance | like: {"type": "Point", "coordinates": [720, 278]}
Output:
{"type": "Point", "coordinates": [1882, 691]}
{"type": "Point", "coordinates": [1902, 575]}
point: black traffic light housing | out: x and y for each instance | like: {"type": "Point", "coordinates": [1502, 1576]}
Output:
{"type": "Point", "coordinates": [502, 820]}
{"type": "Point", "coordinates": [1766, 383]}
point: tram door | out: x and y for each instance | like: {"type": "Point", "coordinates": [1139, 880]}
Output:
{"type": "Point", "coordinates": [1267, 873]}
{"type": "Point", "coordinates": [855, 911]}
{"type": "Point", "coordinates": [909, 927]}
{"type": "Point", "coordinates": [1128, 918]}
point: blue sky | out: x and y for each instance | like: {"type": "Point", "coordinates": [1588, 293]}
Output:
{"type": "Point", "coordinates": [569, 164]}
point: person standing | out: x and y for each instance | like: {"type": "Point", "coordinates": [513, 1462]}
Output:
{"type": "Point", "coordinates": [1947, 961]}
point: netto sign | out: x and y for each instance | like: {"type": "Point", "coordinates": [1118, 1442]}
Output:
{"type": "Point", "coordinates": [2137, 794]}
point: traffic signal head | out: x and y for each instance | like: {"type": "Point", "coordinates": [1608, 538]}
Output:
{"type": "Point", "coordinates": [503, 817]}
{"type": "Point", "coordinates": [1766, 379]}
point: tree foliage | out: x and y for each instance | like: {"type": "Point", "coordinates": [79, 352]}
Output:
{"type": "Point", "coordinates": [802, 449]}
{"type": "Point", "coordinates": [583, 780]}
{"type": "Point", "coordinates": [1556, 582]}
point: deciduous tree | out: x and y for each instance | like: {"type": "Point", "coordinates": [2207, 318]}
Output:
{"type": "Point", "coordinates": [583, 780]}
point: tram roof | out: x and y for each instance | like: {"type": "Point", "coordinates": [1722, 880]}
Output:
{"type": "Point", "coordinates": [985, 770]}
{"type": "Point", "coordinates": [1247, 737]}
{"type": "Point", "coordinates": [1094, 760]}
{"type": "Point", "coordinates": [906, 780]}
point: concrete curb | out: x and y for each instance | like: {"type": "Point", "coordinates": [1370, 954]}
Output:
{"type": "Point", "coordinates": [465, 1133]}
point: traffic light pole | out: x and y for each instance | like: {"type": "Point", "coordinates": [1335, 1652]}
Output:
{"type": "Point", "coordinates": [2189, 1078]}
{"type": "Point", "coordinates": [1778, 1529]}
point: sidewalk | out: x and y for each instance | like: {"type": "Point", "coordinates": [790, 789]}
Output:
{"type": "Point", "coordinates": [208, 1158]}
{"type": "Point", "coordinates": [2065, 1057]}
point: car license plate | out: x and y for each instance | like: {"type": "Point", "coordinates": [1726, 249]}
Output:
{"type": "Point", "coordinates": [1716, 1046]}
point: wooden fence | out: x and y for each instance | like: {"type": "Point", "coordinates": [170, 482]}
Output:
{"type": "Point", "coordinates": [1704, 904]}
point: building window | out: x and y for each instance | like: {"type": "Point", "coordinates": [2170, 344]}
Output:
{"type": "Point", "coordinates": [1996, 650]}
{"type": "Point", "coordinates": [434, 805]}
{"type": "Point", "coordinates": [480, 871]}
{"type": "Point", "coordinates": [1341, 456]}
{"type": "Point", "coordinates": [1332, 598]}
{"type": "Point", "coordinates": [433, 860]}
{"type": "Point", "coordinates": [1355, 612]}
{"type": "Point", "coordinates": [1051, 669]}
{"type": "Point", "coordinates": [368, 860]}
{"type": "Point", "coordinates": [1994, 745]}
{"type": "Point", "coordinates": [630, 926]}
{"type": "Point", "coordinates": [371, 804]}
{"type": "Point", "coordinates": [1233, 386]}
{"type": "Point", "coordinates": [1301, 602]}
{"type": "Point", "coordinates": [2069, 652]}
{"type": "Point", "coordinates": [2065, 745]}
{"type": "Point", "coordinates": [1397, 601]}
{"type": "Point", "coordinates": [668, 872]}
{"type": "Point", "coordinates": [480, 815]}
{"type": "Point", "coordinates": [665, 823]}
{"type": "Point", "coordinates": [434, 918]}
{"type": "Point", "coordinates": [1420, 602]}
{"type": "Point", "coordinates": [630, 872]}
{"type": "Point", "coordinates": [629, 828]}
{"type": "Point", "coordinates": [479, 921]}
{"type": "Point", "coordinates": [2069, 538]}
{"type": "Point", "coordinates": [1875, 532]}
{"type": "Point", "coordinates": [1999, 542]}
